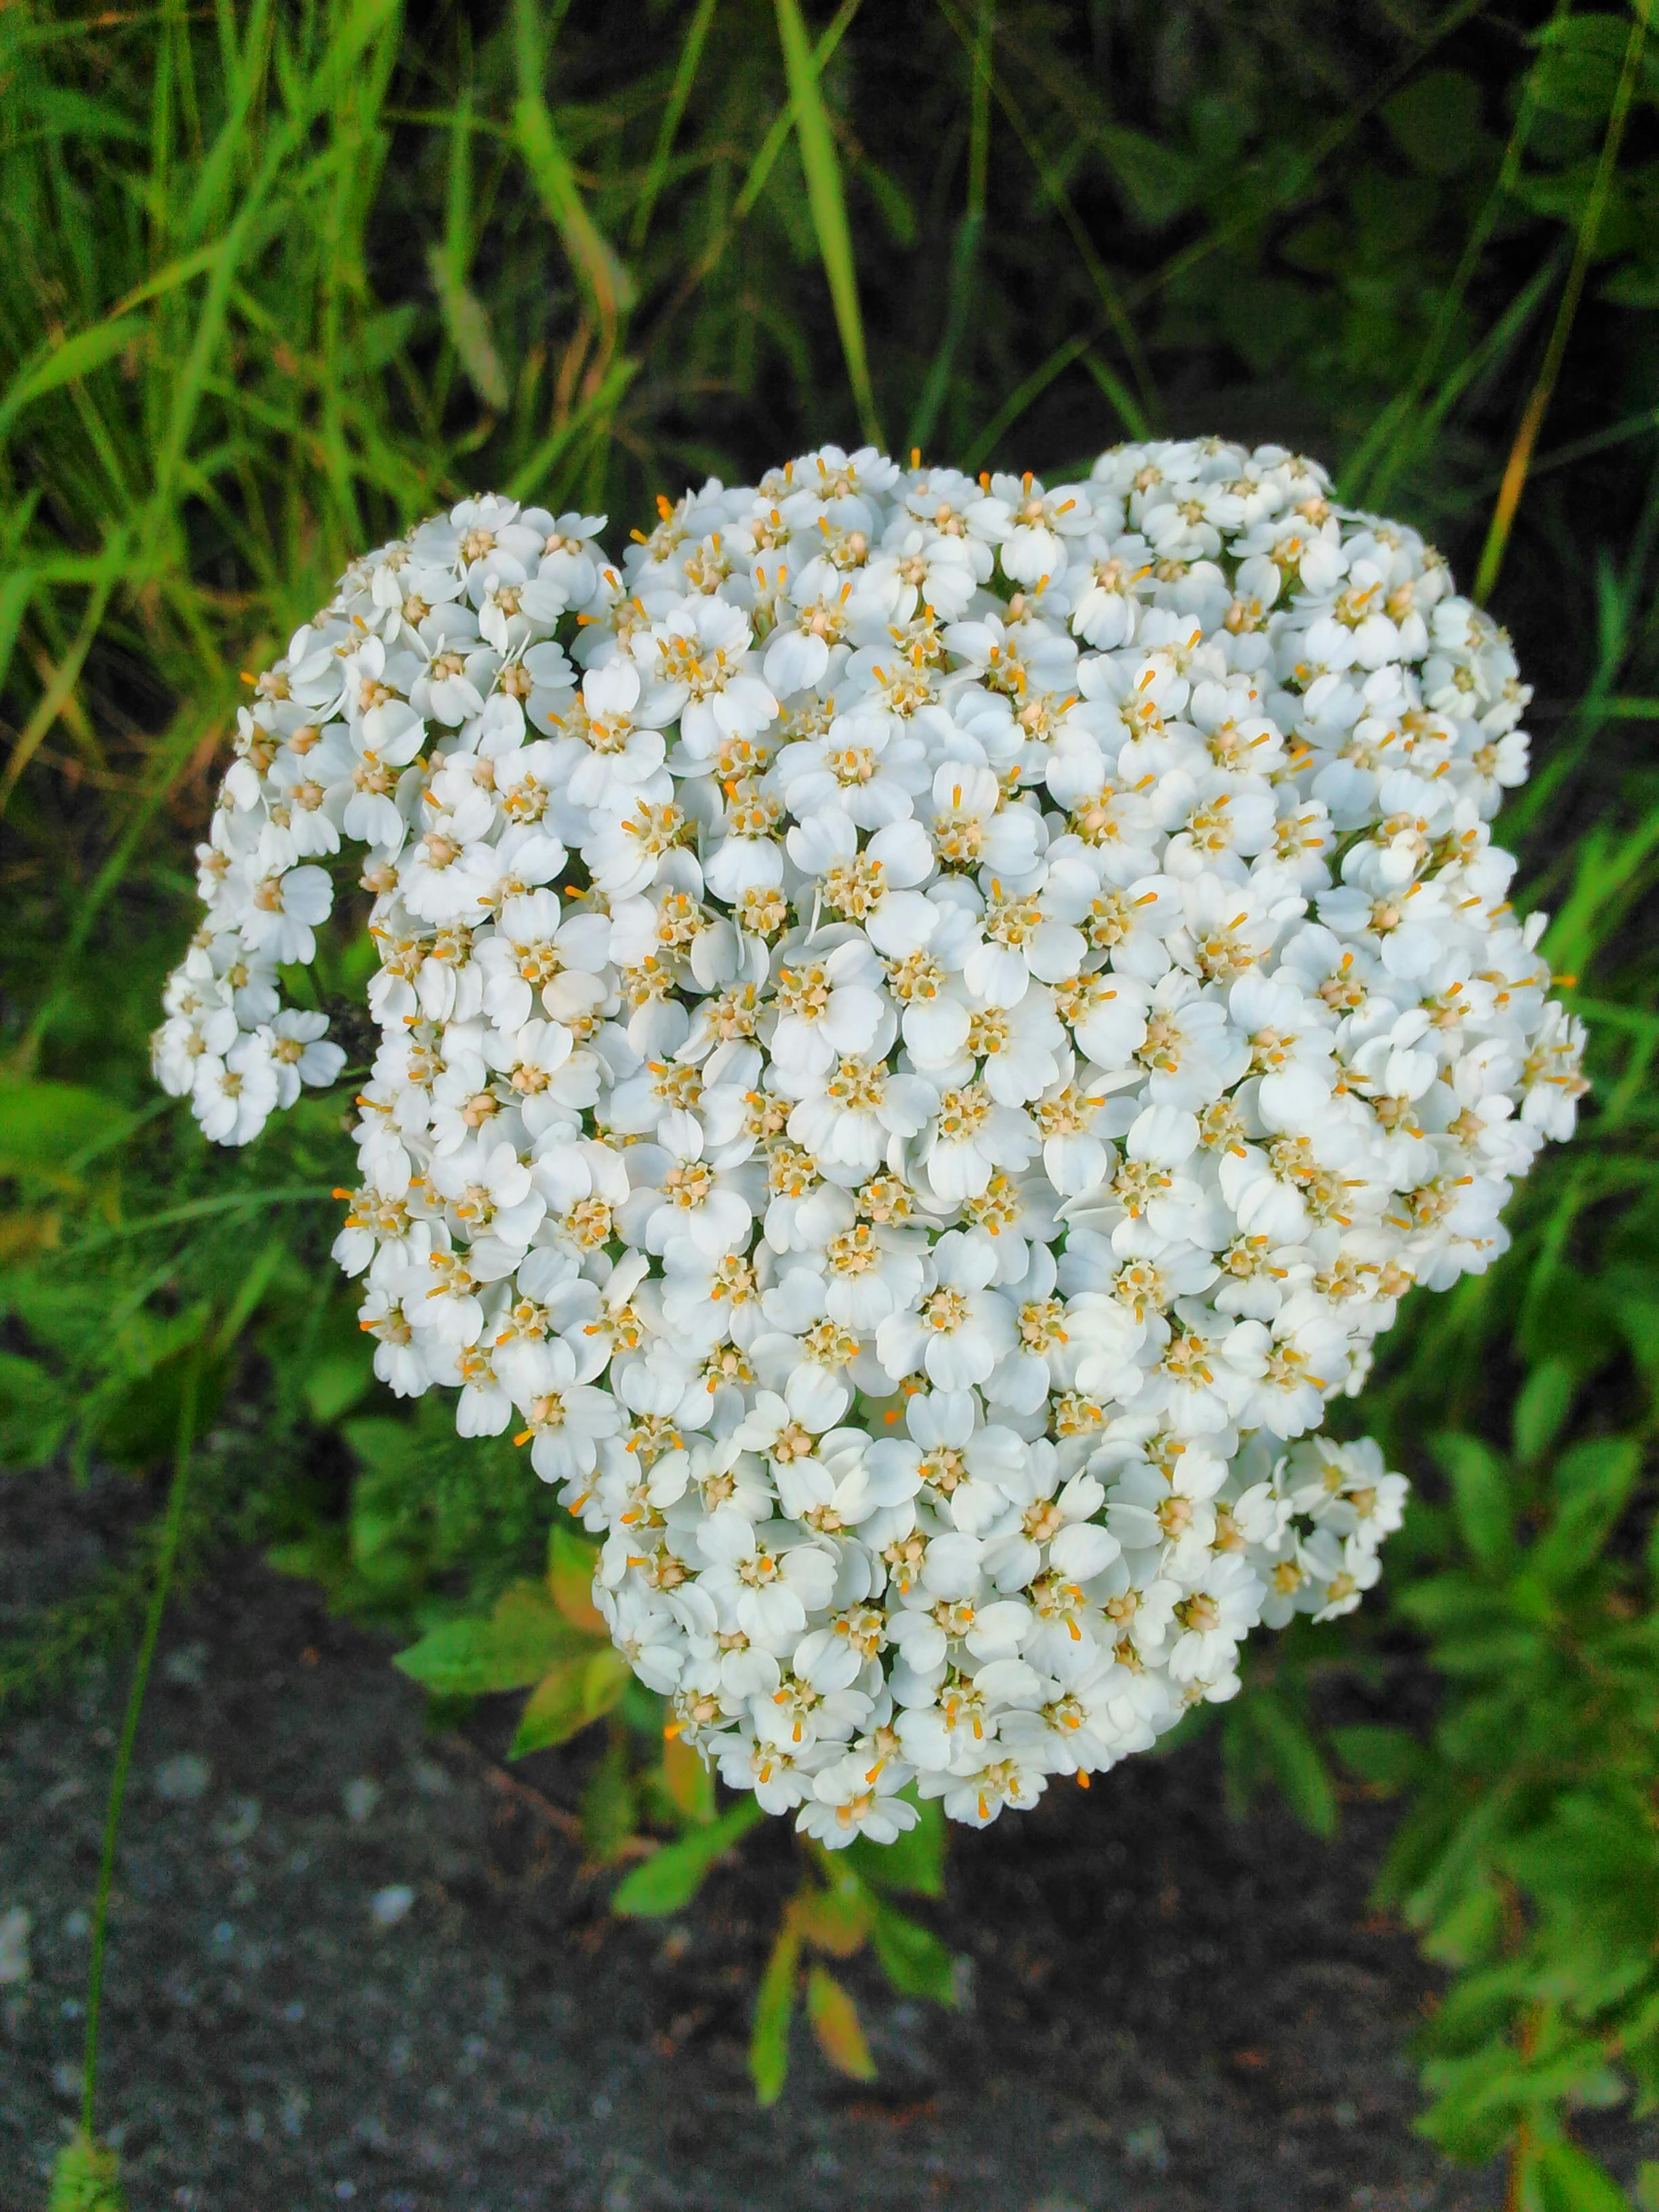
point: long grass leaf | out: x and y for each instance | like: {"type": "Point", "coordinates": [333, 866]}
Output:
{"type": "Point", "coordinates": [821, 164]}
{"type": "Point", "coordinates": [606, 281]}
{"type": "Point", "coordinates": [964, 252]}
{"type": "Point", "coordinates": [1115, 311]}
{"type": "Point", "coordinates": [466, 326]}
{"type": "Point", "coordinates": [60, 686]}
{"type": "Point", "coordinates": [1538, 401]}
{"type": "Point", "coordinates": [679, 91]}
{"type": "Point", "coordinates": [595, 410]}
{"type": "Point", "coordinates": [76, 358]}
{"type": "Point", "coordinates": [1374, 465]}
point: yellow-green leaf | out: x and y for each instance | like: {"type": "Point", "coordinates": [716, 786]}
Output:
{"type": "Point", "coordinates": [835, 2023]}
{"type": "Point", "coordinates": [568, 1699]}
{"type": "Point", "coordinates": [466, 326]}
{"type": "Point", "coordinates": [86, 2178]}
{"type": "Point", "coordinates": [518, 1643]}
{"type": "Point", "coordinates": [535, 135]}
{"type": "Point", "coordinates": [836, 1919]}
{"type": "Point", "coordinates": [687, 1780]}
{"type": "Point", "coordinates": [571, 1560]}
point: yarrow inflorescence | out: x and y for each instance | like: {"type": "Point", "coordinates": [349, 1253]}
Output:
{"type": "Point", "coordinates": [927, 1025]}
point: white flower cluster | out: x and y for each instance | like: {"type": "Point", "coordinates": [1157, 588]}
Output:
{"type": "Point", "coordinates": [927, 1025]}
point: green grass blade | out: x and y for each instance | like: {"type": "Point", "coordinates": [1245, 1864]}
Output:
{"type": "Point", "coordinates": [815, 139]}
{"type": "Point", "coordinates": [1537, 406]}
{"type": "Point", "coordinates": [965, 253]}
{"type": "Point", "coordinates": [777, 135]}
{"type": "Point", "coordinates": [1374, 466]}
{"type": "Point", "coordinates": [67, 363]}
{"type": "Point", "coordinates": [1114, 309]}
{"type": "Point", "coordinates": [607, 282]}
{"type": "Point", "coordinates": [679, 91]}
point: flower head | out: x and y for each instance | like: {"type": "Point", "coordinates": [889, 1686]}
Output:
{"type": "Point", "coordinates": [926, 1026]}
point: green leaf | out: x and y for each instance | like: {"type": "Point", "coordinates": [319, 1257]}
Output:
{"type": "Point", "coordinates": [571, 1561]}
{"type": "Point", "coordinates": [1293, 1760]}
{"type": "Point", "coordinates": [775, 2007]}
{"type": "Point", "coordinates": [76, 358]}
{"type": "Point", "coordinates": [1159, 180]}
{"type": "Point", "coordinates": [384, 1444]}
{"type": "Point", "coordinates": [86, 2178]}
{"type": "Point", "coordinates": [835, 2023]}
{"type": "Point", "coordinates": [466, 326]}
{"type": "Point", "coordinates": [1389, 1759]}
{"type": "Point", "coordinates": [1470, 1930]}
{"type": "Point", "coordinates": [569, 1698]}
{"type": "Point", "coordinates": [1542, 1407]}
{"type": "Point", "coordinates": [59, 110]}
{"type": "Point", "coordinates": [1498, 1651]}
{"type": "Point", "coordinates": [35, 1410]}
{"type": "Point", "coordinates": [912, 1957]}
{"type": "Point", "coordinates": [336, 1381]}
{"type": "Point", "coordinates": [1633, 286]}
{"type": "Point", "coordinates": [45, 1126]}
{"type": "Point", "coordinates": [1647, 2186]}
{"type": "Point", "coordinates": [1567, 2179]}
{"type": "Point", "coordinates": [688, 1781]}
{"type": "Point", "coordinates": [912, 1862]}
{"type": "Point", "coordinates": [1578, 69]}
{"type": "Point", "coordinates": [836, 1919]}
{"type": "Point", "coordinates": [610, 1802]}
{"type": "Point", "coordinates": [1593, 1485]}
{"type": "Point", "coordinates": [1481, 1495]}
{"type": "Point", "coordinates": [891, 198]}
{"type": "Point", "coordinates": [671, 1877]}
{"type": "Point", "coordinates": [1436, 121]}
{"type": "Point", "coordinates": [606, 281]}
{"type": "Point", "coordinates": [522, 1640]}
{"type": "Point", "coordinates": [138, 1427]}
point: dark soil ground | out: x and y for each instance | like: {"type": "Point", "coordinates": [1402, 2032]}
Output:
{"type": "Point", "coordinates": [1165, 2008]}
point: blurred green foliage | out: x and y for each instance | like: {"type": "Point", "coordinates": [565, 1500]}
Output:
{"type": "Point", "coordinates": [280, 277]}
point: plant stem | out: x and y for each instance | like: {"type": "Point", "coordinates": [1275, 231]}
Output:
{"type": "Point", "coordinates": [169, 1552]}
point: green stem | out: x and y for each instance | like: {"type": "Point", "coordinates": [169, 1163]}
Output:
{"type": "Point", "coordinates": [177, 1492]}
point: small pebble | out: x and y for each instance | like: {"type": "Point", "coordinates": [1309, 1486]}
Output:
{"type": "Point", "coordinates": [359, 1797]}
{"type": "Point", "coordinates": [1147, 2147]}
{"type": "Point", "coordinates": [185, 1665]}
{"type": "Point", "coordinates": [14, 1925]}
{"type": "Point", "coordinates": [389, 1906]}
{"type": "Point", "coordinates": [238, 1822]}
{"type": "Point", "coordinates": [77, 1924]}
{"type": "Point", "coordinates": [182, 1779]}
